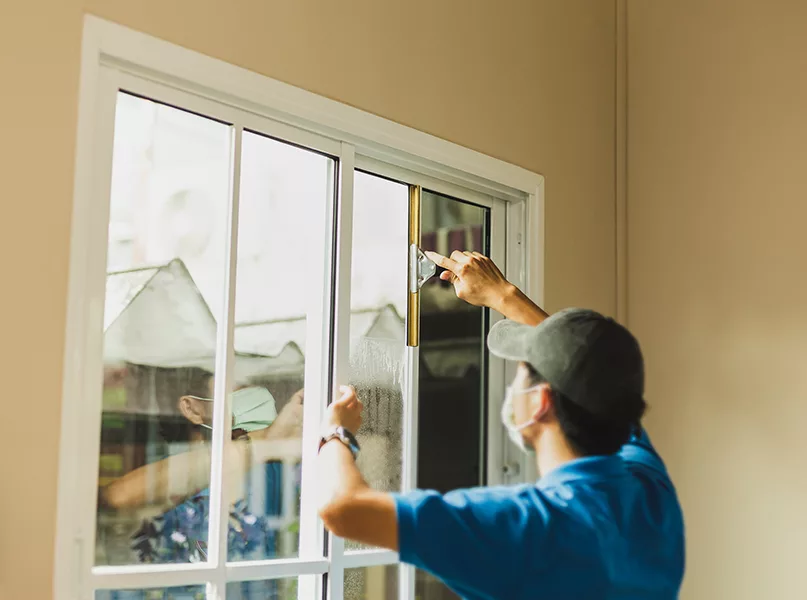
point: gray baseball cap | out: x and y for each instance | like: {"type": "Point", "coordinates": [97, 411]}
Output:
{"type": "Point", "coordinates": [591, 359]}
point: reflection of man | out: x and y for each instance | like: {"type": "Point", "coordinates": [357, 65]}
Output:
{"type": "Point", "coordinates": [253, 408]}
{"type": "Point", "coordinates": [176, 486]}
{"type": "Point", "coordinates": [269, 439]}
{"type": "Point", "coordinates": [602, 522]}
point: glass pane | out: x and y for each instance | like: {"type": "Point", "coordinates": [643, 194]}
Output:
{"type": "Point", "coordinates": [190, 592]}
{"type": "Point", "coordinates": [378, 306]}
{"type": "Point", "coordinates": [428, 587]}
{"type": "Point", "coordinates": [165, 283]}
{"type": "Point", "coordinates": [372, 583]}
{"type": "Point", "coordinates": [452, 385]}
{"type": "Point", "coordinates": [281, 243]}
{"type": "Point", "coordinates": [289, 588]}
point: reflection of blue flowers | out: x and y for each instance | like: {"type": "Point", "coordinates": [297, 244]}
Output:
{"type": "Point", "coordinates": [180, 535]}
{"type": "Point", "coordinates": [249, 536]}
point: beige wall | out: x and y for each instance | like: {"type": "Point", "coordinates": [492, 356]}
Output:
{"type": "Point", "coordinates": [717, 204]}
{"type": "Point", "coordinates": [528, 81]}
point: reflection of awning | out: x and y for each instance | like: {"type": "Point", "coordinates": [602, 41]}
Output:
{"type": "Point", "coordinates": [157, 317]}
{"type": "Point", "coordinates": [376, 342]}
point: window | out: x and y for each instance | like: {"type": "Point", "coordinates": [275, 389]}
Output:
{"type": "Point", "coordinates": [238, 251]}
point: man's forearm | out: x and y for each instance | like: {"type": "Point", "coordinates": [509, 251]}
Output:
{"type": "Point", "coordinates": [349, 508]}
{"type": "Point", "coordinates": [516, 306]}
{"type": "Point", "coordinates": [339, 477]}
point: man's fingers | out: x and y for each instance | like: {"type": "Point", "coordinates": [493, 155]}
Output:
{"type": "Point", "coordinates": [348, 398]}
{"type": "Point", "coordinates": [448, 276]}
{"type": "Point", "coordinates": [346, 394]}
{"type": "Point", "coordinates": [443, 261]}
{"type": "Point", "coordinates": [460, 257]}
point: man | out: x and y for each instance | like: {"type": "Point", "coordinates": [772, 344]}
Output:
{"type": "Point", "coordinates": [603, 522]}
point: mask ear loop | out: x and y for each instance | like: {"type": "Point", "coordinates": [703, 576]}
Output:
{"type": "Point", "coordinates": [525, 425]}
{"type": "Point", "coordinates": [191, 414]}
{"type": "Point", "coordinates": [533, 420]}
{"type": "Point", "coordinates": [525, 390]}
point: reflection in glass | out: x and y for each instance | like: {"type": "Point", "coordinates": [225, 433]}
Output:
{"type": "Point", "coordinates": [270, 589]}
{"type": "Point", "coordinates": [372, 583]}
{"type": "Point", "coordinates": [167, 251]}
{"type": "Point", "coordinates": [378, 301]}
{"type": "Point", "coordinates": [281, 239]}
{"type": "Point", "coordinates": [190, 592]}
{"type": "Point", "coordinates": [452, 388]}
{"type": "Point", "coordinates": [166, 257]}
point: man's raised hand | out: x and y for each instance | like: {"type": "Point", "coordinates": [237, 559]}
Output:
{"type": "Point", "coordinates": [475, 277]}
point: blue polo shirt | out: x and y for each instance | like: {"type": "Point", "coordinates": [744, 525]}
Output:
{"type": "Point", "coordinates": [597, 528]}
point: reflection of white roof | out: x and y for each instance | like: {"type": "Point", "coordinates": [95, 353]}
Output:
{"type": "Point", "coordinates": [269, 337]}
{"type": "Point", "coordinates": [157, 317]}
{"type": "Point", "coordinates": [376, 342]}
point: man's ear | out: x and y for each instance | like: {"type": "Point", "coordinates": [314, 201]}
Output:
{"type": "Point", "coordinates": [543, 404]}
{"type": "Point", "coordinates": [191, 410]}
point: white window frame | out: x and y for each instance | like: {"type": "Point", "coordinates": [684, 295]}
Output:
{"type": "Point", "coordinates": [114, 57]}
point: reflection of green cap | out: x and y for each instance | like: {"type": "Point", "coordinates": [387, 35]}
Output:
{"type": "Point", "coordinates": [592, 360]}
{"type": "Point", "coordinates": [253, 408]}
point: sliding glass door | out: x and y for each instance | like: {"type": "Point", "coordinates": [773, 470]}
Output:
{"type": "Point", "coordinates": [250, 268]}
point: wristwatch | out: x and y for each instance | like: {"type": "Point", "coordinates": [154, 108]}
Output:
{"type": "Point", "coordinates": [344, 436]}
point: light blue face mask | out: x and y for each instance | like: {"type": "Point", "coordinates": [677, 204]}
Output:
{"type": "Point", "coordinates": [253, 408]}
{"type": "Point", "coordinates": [509, 419]}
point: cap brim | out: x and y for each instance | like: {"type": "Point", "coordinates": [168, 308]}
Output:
{"type": "Point", "coordinates": [510, 340]}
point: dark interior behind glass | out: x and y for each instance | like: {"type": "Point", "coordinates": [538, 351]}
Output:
{"type": "Point", "coordinates": [453, 356]}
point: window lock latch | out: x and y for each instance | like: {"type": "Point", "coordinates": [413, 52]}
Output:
{"type": "Point", "coordinates": [421, 268]}
{"type": "Point", "coordinates": [512, 469]}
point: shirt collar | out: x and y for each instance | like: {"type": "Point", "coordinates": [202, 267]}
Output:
{"type": "Point", "coordinates": [590, 467]}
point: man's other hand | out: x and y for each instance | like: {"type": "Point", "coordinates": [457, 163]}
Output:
{"type": "Point", "coordinates": [346, 411]}
{"type": "Point", "coordinates": [475, 277]}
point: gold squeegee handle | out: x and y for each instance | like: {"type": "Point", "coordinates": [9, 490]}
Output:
{"type": "Point", "coordinates": [413, 298]}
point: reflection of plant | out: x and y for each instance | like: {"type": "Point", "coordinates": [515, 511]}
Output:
{"type": "Point", "coordinates": [291, 589]}
{"type": "Point", "coordinates": [171, 594]}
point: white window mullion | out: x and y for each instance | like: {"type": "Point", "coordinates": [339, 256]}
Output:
{"type": "Point", "coordinates": [336, 573]}
{"type": "Point", "coordinates": [150, 576]}
{"type": "Point", "coordinates": [524, 222]}
{"type": "Point", "coordinates": [222, 409]}
{"type": "Point", "coordinates": [319, 323]}
{"type": "Point", "coordinates": [356, 559]}
{"type": "Point", "coordinates": [260, 570]}
{"type": "Point", "coordinates": [410, 453]}
{"type": "Point", "coordinates": [496, 366]}
{"type": "Point", "coordinates": [341, 329]}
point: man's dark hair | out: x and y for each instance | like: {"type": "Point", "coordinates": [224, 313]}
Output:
{"type": "Point", "coordinates": [588, 434]}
